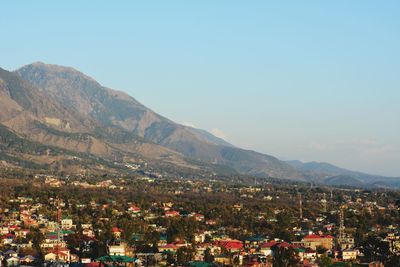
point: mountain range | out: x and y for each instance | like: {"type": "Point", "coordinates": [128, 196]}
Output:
{"type": "Point", "coordinates": [72, 123]}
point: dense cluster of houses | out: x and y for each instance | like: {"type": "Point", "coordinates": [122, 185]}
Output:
{"type": "Point", "coordinates": [19, 226]}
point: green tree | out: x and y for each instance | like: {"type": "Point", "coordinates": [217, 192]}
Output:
{"type": "Point", "coordinates": [325, 261]}
{"type": "Point", "coordinates": [375, 249]}
{"type": "Point", "coordinates": [184, 255]}
{"type": "Point", "coordinates": [284, 257]}
{"type": "Point", "coordinates": [37, 238]}
{"type": "Point", "coordinates": [208, 257]}
{"type": "Point", "coordinates": [171, 259]}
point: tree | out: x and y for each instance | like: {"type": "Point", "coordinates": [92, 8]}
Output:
{"type": "Point", "coordinates": [208, 257]}
{"type": "Point", "coordinates": [284, 257]}
{"type": "Point", "coordinates": [375, 249]}
{"type": "Point", "coordinates": [171, 259]}
{"type": "Point", "coordinates": [236, 260]}
{"type": "Point", "coordinates": [321, 250]}
{"type": "Point", "coordinates": [325, 261]}
{"type": "Point", "coordinates": [184, 255]}
{"type": "Point", "coordinates": [37, 238]}
{"type": "Point", "coordinates": [393, 261]}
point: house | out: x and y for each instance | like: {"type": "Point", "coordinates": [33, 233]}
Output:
{"type": "Point", "coordinates": [198, 217]}
{"type": "Point", "coordinates": [12, 261]}
{"type": "Point", "coordinates": [27, 259]}
{"type": "Point", "coordinates": [346, 242]}
{"type": "Point", "coordinates": [62, 254]}
{"type": "Point", "coordinates": [310, 254]}
{"type": "Point", "coordinates": [134, 209]}
{"type": "Point", "coordinates": [181, 244]}
{"type": "Point", "coordinates": [313, 241]}
{"type": "Point", "coordinates": [211, 222]}
{"type": "Point", "coordinates": [201, 248]}
{"type": "Point", "coordinates": [22, 233]}
{"type": "Point", "coordinates": [237, 207]}
{"type": "Point", "coordinates": [170, 214]}
{"type": "Point", "coordinates": [266, 248]}
{"type": "Point", "coordinates": [168, 248]}
{"type": "Point", "coordinates": [199, 237]}
{"type": "Point", "coordinates": [8, 238]}
{"type": "Point", "coordinates": [88, 232]}
{"type": "Point", "coordinates": [116, 232]}
{"type": "Point", "coordinates": [349, 254]}
{"type": "Point", "coordinates": [230, 245]}
{"type": "Point", "coordinates": [86, 226]}
{"type": "Point", "coordinates": [67, 224]}
{"type": "Point", "coordinates": [254, 241]}
{"type": "Point", "coordinates": [117, 249]}
{"type": "Point", "coordinates": [223, 259]}
{"type": "Point", "coordinates": [10, 253]}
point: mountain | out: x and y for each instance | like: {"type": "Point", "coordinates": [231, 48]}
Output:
{"type": "Point", "coordinates": [343, 180]}
{"type": "Point", "coordinates": [117, 110]}
{"type": "Point", "coordinates": [30, 115]}
{"type": "Point", "coordinates": [59, 118]}
{"type": "Point", "coordinates": [333, 175]}
{"type": "Point", "coordinates": [21, 101]}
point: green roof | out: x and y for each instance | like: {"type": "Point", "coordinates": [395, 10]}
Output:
{"type": "Point", "coordinates": [200, 264]}
{"type": "Point", "coordinates": [115, 258]}
{"type": "Point", "coordinates": [255, 239]}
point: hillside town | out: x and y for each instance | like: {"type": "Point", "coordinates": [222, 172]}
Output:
{"type": "Point", "coordinates": [145, 221]}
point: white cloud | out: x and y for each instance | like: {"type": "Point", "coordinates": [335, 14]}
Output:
{"type": "Point", "coordinates": [219, 133]}
{"type": "Point", "coordinates": [189, 124]}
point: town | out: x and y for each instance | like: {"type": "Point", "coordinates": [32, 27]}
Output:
{"type": "Point", "coordinates": [145, 221]}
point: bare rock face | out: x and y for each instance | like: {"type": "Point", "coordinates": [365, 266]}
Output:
{"type": "Point", "coordinates": [66, 108]}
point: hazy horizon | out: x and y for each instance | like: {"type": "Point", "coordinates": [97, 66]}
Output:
{"type": "Point", "coordinates": [304, 81]}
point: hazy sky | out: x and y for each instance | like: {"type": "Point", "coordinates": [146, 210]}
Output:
{"type": "Point", "coordinates": [307, 80]}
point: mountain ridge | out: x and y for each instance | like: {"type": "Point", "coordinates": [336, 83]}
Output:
{"type": "Point", "coordinates": [334, 175]}
{"type": "Point", "coordinates": [65, 108]}
{"type": "Point", "coordinates": [115, 108]}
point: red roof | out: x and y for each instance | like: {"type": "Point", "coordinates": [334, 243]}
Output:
{"type": "Point", "coordinates": [116, 230]}
{"type": "Point", "coordinates": [230, 244]}
{"type": "Point", "coordinates": [269, 244]}
{"type": "Point", "coordinates": [134, 208]}
{"type": "Point", "coordinates": [284, 245]}
{"type": "Point", "coordinates": [318, 236]}
{"type": "Point", "coordinates": [8, 235]}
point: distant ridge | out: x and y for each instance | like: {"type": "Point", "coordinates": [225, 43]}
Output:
{"type": "Point", "coordinates": [78, 119]}
{"type": "Point", "coordinates": [333, 175]}
{"type": "Point", "coordinates": [111, 108]}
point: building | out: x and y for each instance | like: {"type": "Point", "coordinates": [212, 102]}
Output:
{"type": "Point", "coordinates": [117, 249]}
{"type": "Point", "coordinates": [349, 254]}
{"type": "Point", "coordinates": [315, 241]}
{"type": "Point", "coordinates": [67, 224]}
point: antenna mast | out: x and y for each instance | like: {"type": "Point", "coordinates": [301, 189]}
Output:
{"type": "Point", "coordinates": [58, 229]}
{"type": "Point", "coordinates": [341, 226]}
{"type": "Point", "coordinates": [324, 203]}
{"type": "Point", "coordinates": [300, 205]}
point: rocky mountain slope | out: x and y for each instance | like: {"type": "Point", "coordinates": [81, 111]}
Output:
{"type": "Point", "coordinates": [29, 113]}
{"type": "Point", "coordinates": [116, 109]}
{"type": "Point", "coordinates": [59, 118]}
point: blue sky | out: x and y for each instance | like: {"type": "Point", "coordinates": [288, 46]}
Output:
{"type": "Point", "coordinates": [308, 80]}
